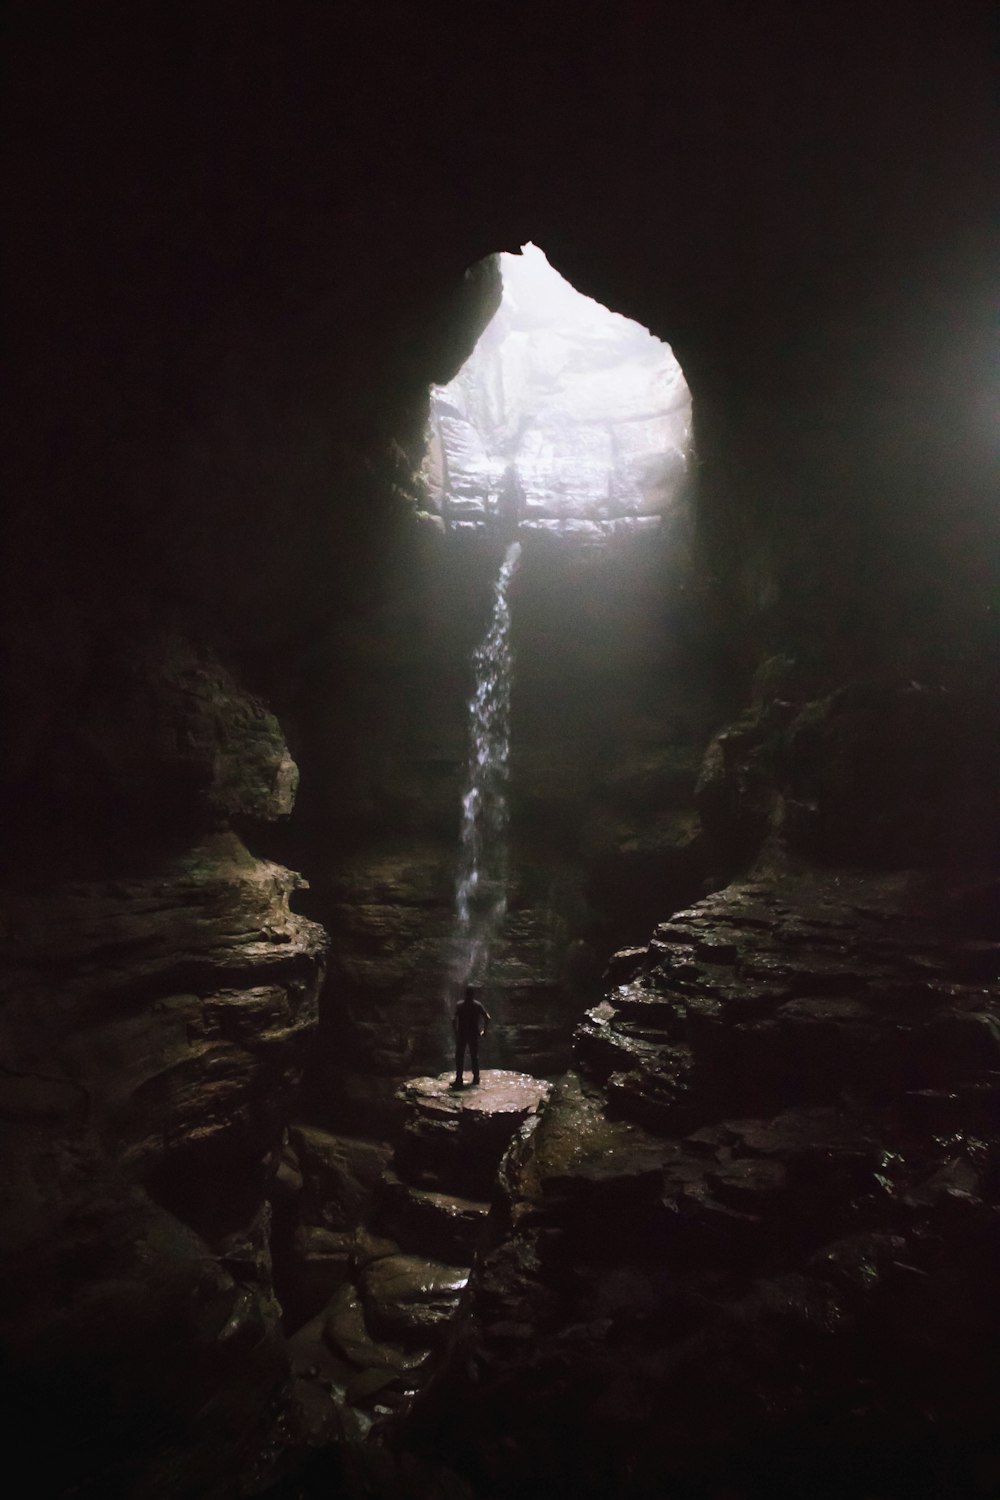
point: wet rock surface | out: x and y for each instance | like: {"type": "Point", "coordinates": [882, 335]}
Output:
{"type": "Point", "coordinates": [154, 1031]}
{"type": "Point", "coordinates": [457, 1136]}
{"type": "Point", "coordinates": [436, 1223]}
{"type": "Point", "coordinates": [411, 1298]}
{"type": "Point", "coordinates": [753, 1242]}
{"type": "Point", "coordinates": [795, 993]}
{"type": "Point", "coordinates": [362, 1358]}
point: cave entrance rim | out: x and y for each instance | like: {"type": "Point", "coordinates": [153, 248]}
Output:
{"type": "Point", "coordinates": [568, 427]}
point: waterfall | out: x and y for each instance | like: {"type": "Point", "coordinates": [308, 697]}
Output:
{"type": "Point", "coordinates": [481, 880]}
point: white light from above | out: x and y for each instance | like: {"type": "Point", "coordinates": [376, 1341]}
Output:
{"type": "Point", "coordinates": [567, 418]}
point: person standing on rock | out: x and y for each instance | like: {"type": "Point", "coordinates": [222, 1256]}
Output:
{"type": "Point", "coordinates": [469, 1023]}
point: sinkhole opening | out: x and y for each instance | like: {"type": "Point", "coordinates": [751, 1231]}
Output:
{"type": "Point", "coordinates": [567, 420]}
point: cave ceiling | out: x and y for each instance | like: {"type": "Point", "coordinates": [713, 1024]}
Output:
{"type": "Point", "coordinates": [241, 255]}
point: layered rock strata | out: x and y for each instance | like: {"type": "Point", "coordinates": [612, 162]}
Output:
{"type": "Point", "coordinates": [754, 1242]}
{"type": "Point", "coordinates": [153, 1034]}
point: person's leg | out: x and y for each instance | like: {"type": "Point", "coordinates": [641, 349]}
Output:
{"type": "Point", "coordinates": [474, 1057]}
{"type": "Point", "coordinates": [459, 1061]}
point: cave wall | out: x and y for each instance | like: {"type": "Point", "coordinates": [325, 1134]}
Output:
{"type": "Point", "coordinates": [239, 249]}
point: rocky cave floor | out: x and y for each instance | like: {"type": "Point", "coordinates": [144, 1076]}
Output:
{"type": "Point", "coordinates": [361, 1360]}
{"type": "Point", "coordinates": [748, 1248]}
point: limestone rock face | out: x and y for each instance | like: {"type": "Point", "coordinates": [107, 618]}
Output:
{"type": "Point", "coordinates": [882, 771]}
{"type": "Point", "coordinates": [153, 1037]}
{"type": "Point", "coordinates": [168, 1003]}
{"type": "Point", "coordinates": [339, 1175]}
{"type": "Point", "coordinates": [156, 733]}
{"type": "Point", "coordinates": [763, 1213]}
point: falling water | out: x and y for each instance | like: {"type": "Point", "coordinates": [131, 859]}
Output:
{"type": "Point", "coordinates": [481, 882]}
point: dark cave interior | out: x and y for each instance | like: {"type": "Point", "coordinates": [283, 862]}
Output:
{"type": "Point", "coordinates": [722, 1221]}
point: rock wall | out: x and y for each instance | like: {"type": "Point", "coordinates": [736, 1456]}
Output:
{"type": "Point", "coordinates": [749, 1248]}
{"type": "Point", "coordinates": [160, 996]}
{"type": "Point", "coordinates": [154, 1034]}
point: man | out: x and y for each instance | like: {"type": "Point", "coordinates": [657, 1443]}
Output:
{"type": "Point", "coordinates": [470, 1022]}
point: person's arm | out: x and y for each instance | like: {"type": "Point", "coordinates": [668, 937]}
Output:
{"type": "Point", "coordinates": [486, 1020]}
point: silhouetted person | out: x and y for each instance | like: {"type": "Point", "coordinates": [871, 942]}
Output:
{"type": "Point", "coordinates": [469, 1023]}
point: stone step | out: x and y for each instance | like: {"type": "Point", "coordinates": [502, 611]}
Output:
{"type": "Point", "coordinates": [602, 1050]}
{"type": "Point", "coordinates": [430, 1222]}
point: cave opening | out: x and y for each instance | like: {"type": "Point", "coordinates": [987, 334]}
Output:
{"type": "Point", "coordinates": [567, 420]}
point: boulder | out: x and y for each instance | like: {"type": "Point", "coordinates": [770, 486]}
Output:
{"type": "Point", "coordinates": [455, 1138]}
{"type": "Point", "coordinates": [346, 1332]}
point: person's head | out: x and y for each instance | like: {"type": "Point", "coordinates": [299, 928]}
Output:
{"type": "Point", "coordinates": [470, 993]}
